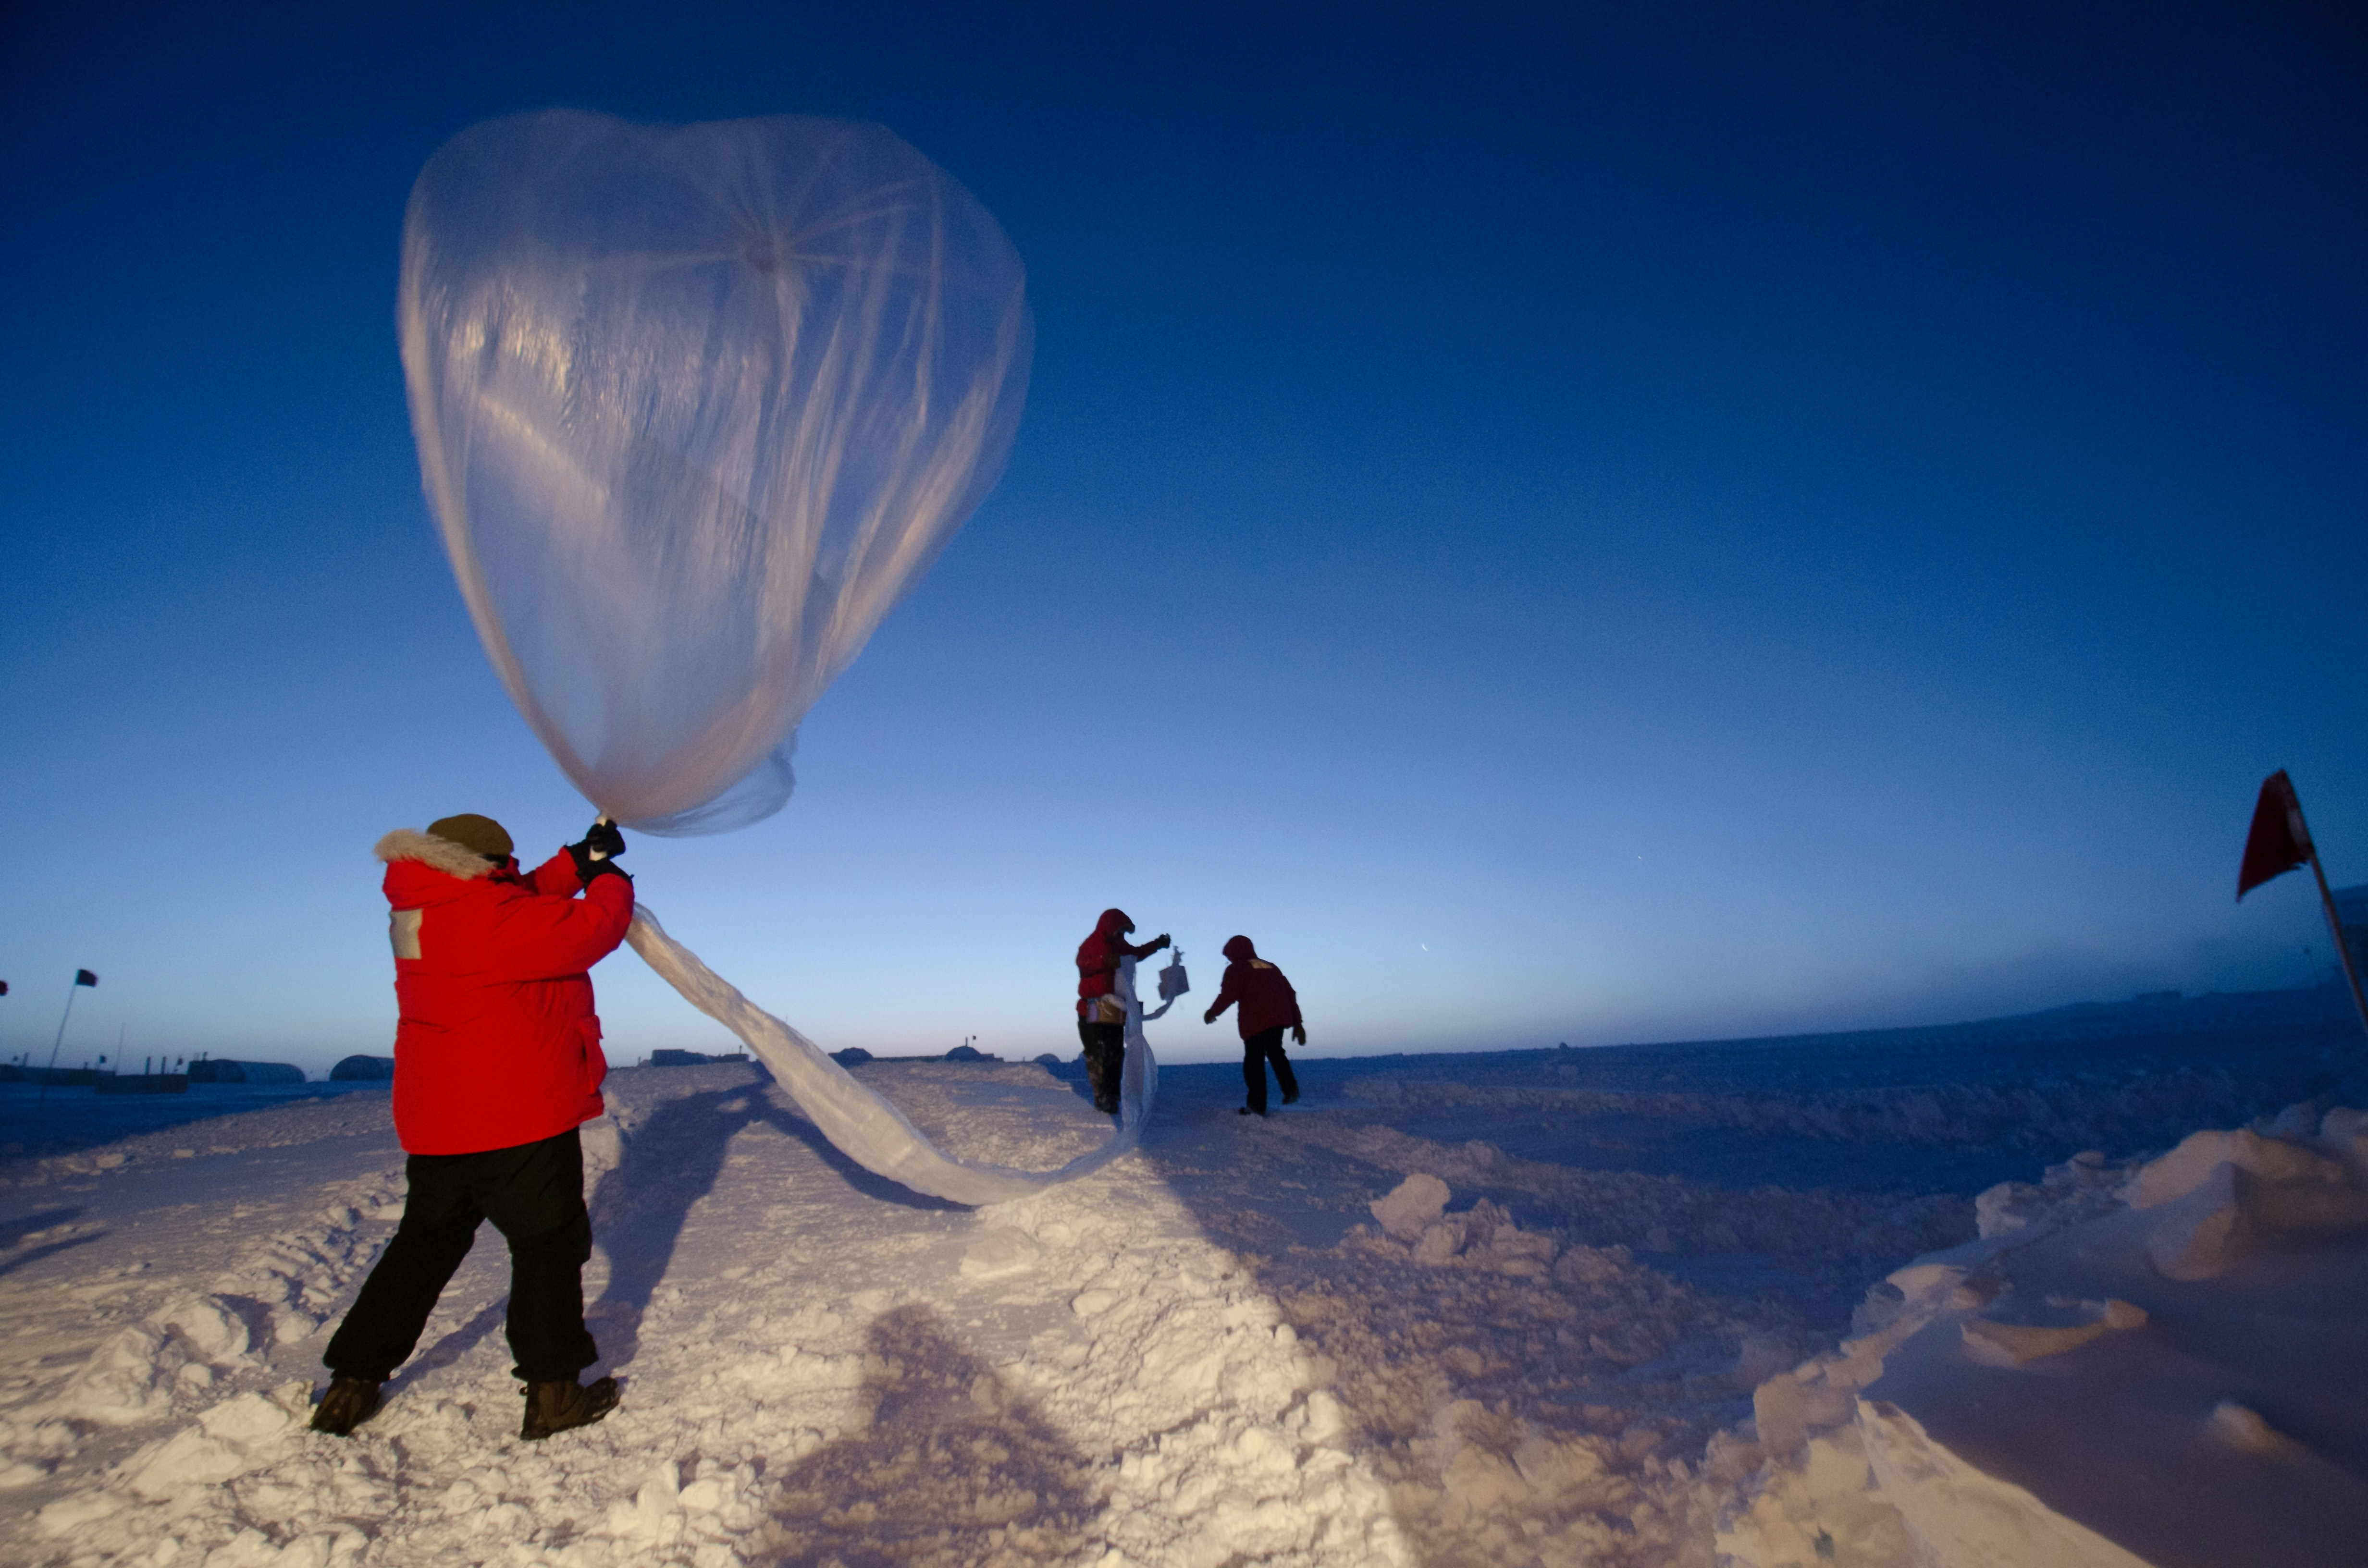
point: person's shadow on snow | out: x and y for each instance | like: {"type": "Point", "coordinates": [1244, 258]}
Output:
{"type": "Point", "coordinates": [672, 1158]}
{"type": "Point", "coordinates": [944, 1462]}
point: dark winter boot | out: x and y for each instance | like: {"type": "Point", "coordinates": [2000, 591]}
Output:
{"type": "Point", "coordinates": [1101, 1076]}
{"type": "Point", "coordinates": [556, 1407]}
{"type": "Point", "coordinates": [348, 1402]}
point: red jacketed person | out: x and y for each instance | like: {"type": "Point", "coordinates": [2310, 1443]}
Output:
{"type": "Point", "coordinates": [1268, 1007]}
{"type": "Point", "coordinates": [1102, 1022]}
{"type": "Point", "coordinates": [497, 1060]}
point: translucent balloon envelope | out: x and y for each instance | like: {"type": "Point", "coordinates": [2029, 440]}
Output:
{"type": "Point", "coordinates": [696, 406]}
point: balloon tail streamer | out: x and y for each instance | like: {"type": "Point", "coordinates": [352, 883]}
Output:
{"type": "Point", "coordinates": [859, 1123]}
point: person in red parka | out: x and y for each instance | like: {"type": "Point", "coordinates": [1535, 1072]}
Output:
{"type": "Point", "coordinates": [1268, 1007]}
{"type": "Point", "coordinates": [1101, 1021]}
{"type": "Point", "coordinates": [497, 1060]}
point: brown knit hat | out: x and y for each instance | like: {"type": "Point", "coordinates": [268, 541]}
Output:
{"type": "Point", "coordinates": [469, 831]}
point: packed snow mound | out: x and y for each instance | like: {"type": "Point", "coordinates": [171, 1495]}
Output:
{"type": "Point", "coordinates": [2155, 1365]}
{"type": "Point", "coordinates": [1412, 1206]}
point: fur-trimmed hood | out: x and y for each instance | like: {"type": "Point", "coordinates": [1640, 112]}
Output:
{"type": "Point", "coordinates": [439, 854]}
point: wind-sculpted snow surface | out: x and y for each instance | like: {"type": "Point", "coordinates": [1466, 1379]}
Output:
{"type": "Point", "coordinates": [2051, 1099]}
{"type": "Point", "coordinates": [75, 1139]}
{"type": "Point", "coordinates": [817, 1366]}
{"type": "Point", "coordinates": [2085, 1386]}
{"type": "Point", "coordinates": [1349, 1334]}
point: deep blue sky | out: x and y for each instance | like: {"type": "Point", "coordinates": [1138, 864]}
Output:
{"type": "Point", "coordinates": [1589, 523]}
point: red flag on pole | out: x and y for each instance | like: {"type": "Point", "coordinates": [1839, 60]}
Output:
{"type": "Point", "coordinates": [2280, 841]}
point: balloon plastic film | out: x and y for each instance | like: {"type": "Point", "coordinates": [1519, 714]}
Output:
{"type": "Point", "coordinates": [696, 406]}
{"type": "Point", "coordinates": [859, 1123]}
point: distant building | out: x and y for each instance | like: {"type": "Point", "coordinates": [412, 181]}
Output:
{"type": "Point", "coordinates": [691, 1058]}
{"type": "Point", "coordinates": [363, 1070]}
{"type": "Point", "coordinates": [220, 1069]}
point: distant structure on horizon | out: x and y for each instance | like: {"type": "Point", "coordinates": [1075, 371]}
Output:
{"type": "Point", "coordinates": [363, 1070]}
{"type": "Point", "coordinates": [220, 1069]}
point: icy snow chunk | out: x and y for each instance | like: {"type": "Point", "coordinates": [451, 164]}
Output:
{"type": "Point", "coordinates": [653, 1507]}
{"type": "Point", "coordinates": [1411, 1206]}
{"type": "Point", "coordinates": [1777, 1416]}
{"type": "Point", "coordinates": [1324, 1418]}
{"type": "Point", "coordinates": [1816, 1506]}
{"type": "Point", "coordinates": [249, 1418]}
{"type": "Point", "coordinates": [1439, 1244]}
{"type": "Point", "coordinates": [2202, 1232]}
{"type": "Point", "coordinates": [126, 1380]}
{"type": "Point", "coordinates": [227, 1441]}
{"type": "Point", "coordinates": [211, 1325]}
{"type": "Point", "coordinates": [998, 1251]}
{"type": "Point", "coordinates": [2006, 1208]}
{"type": "Point", "coordinates": [131, 1376]}
{"type": "Point", "coordinates": [1584, 1265]}
{"type": "Point", "coordinates": [2271, 1161]}
{"type": "Point", "coordinates": [70, 1513]}
{"type": "Point", "coordinates": [2241, 1428]}
{"type": "Point", "coordinates": [190, 1459]}
{"type": "Point", "coordinates": [1996, 1344]}
{"type": "Point", "coordinates": [1959, 1514]}
{"type": "Point", "coordinates": [2218, 1191]}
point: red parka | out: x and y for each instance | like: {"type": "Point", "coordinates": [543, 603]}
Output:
{"type": "Point", "coordinates": [1268, 1001]}
{"type": "Point", "coordinates": [1097, 957]}
{"type": "Point", "coordinates": [498, 1044]}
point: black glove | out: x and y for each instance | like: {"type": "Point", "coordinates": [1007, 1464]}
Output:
{"type": "Point", "coordinates": [605, 839]}
{"type": "Point", "coordinates": [596, 855]}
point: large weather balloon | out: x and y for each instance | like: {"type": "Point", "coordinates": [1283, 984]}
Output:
{"type": "Point", "coordinates": [696, 406]}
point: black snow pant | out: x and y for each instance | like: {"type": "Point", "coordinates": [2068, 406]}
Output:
{"type": "Point", "coordinates": [534, 1195]}
{"type": "Point", "coordinates": [1105, 1059]}
{"type": "Point", "coordinates": [1258, 1050]}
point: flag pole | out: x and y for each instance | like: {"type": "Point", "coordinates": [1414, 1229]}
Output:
{"type": "Point", "coordinates": [72, 986]}
{"type": "Point", "coordinates": [2334, 922]}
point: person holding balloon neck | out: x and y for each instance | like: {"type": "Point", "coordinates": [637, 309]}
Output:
{"type": "Point", "coordinates": [497, 1062]}
{"type": "Point", "coordinates": [1101, 1012]}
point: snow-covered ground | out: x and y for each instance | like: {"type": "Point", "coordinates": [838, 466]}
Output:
{"type": "Point", "coordinates": [1465, 1308]}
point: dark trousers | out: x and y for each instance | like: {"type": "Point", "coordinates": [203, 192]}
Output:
{"type": "Point", "coordinates": [1258, 1050]}
{"type": "Point", "coordinates": [1105, 1059]}
{"type": "Point", "coordinates": [534, 1195]}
